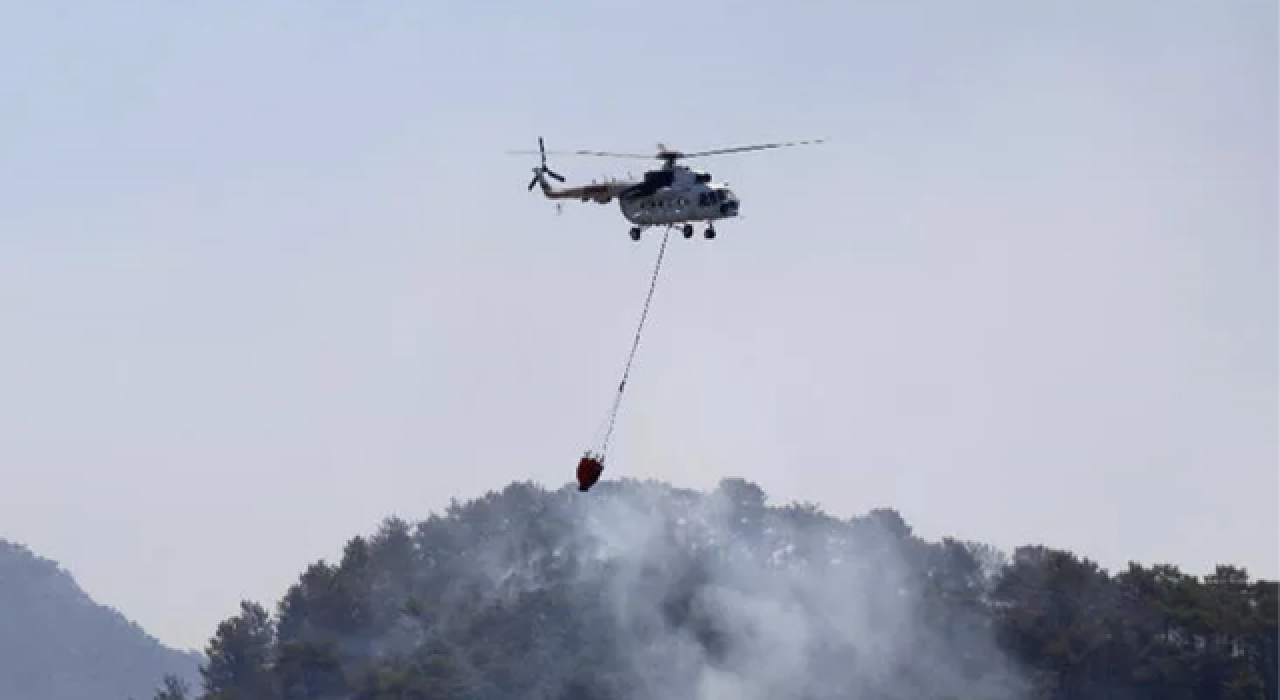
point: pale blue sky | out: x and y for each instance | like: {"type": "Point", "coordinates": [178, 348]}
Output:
{"type": "Point", "coordinates": [266, 275]}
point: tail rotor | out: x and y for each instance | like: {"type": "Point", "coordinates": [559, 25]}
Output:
{"type": "Point", "coordinates": [542, 168]}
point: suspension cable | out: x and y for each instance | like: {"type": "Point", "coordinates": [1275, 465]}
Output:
{"type": "Point", "coordinates": [635, 345]}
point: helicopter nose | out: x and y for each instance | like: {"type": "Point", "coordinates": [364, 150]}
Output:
{"type": "Point", "coordinates": [729, 208]}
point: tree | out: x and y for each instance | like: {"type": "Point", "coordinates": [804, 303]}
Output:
{"type": "Point", "coordinates": [173, 688]}
{"type": "Point", "coordinates": [241, 657]}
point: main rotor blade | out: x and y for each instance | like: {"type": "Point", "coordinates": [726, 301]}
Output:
{"type": "Point", "coordinates": [665, 153]}
{"type": "Point", "coordinates": [760, 147]}
{"type": "Point", "coordinates": [582, 153]}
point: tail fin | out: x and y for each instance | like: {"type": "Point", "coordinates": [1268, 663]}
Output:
{"type": "Point", "coordinates": [542, 170]}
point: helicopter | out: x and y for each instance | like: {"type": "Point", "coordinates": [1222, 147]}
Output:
{"type": "Point", "coordinates": [670, 196]}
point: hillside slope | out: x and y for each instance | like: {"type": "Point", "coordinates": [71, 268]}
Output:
{"type": "Point", "coordinates": [641, 591]}
{"type": "Point", "coordinates": [56, 643]}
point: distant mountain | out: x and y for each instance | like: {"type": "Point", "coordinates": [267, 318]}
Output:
{"type": "Point", "coordinates": [56, 643]}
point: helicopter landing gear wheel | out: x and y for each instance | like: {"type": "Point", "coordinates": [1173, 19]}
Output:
{"type": "Point", "coordinates": [710, 233]}
{"type": "Point", "coordinates": [635, 233]}
{"type": "Point", "coordinates": [688, 230]}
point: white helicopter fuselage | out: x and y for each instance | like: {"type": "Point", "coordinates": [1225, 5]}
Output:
{"type": "Point", "coordinates": [681, 204]}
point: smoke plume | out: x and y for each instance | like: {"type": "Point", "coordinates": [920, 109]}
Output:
{"type": "Point", "coordinates": [720, 597]}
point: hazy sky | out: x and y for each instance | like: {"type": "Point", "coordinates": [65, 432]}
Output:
{"type": "Point", "coordinates": [266, 275]}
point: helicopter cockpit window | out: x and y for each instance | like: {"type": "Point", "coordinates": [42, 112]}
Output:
{"type": "Point", "coordinates": [702, 177]}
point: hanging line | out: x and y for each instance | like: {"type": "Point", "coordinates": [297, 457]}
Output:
{"type": "Point", "coordinates": [635, 345]}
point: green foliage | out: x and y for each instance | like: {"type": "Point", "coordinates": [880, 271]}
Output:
{"type": "Point", "coordinates": [242, 658]}
{"type": "Point", "coordinates": [535, 594]}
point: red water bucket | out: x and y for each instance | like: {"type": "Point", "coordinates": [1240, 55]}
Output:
{"type": "Point", "coordinates": [589, 470]}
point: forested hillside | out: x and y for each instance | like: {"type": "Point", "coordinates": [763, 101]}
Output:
{"type": "Point", "coordinates": [645, 591]}
{"type": "Point", "coordinates": [58, 644]}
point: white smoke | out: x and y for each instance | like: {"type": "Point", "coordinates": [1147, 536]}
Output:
{"type": "Point", "coordinates": [718, 597]}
